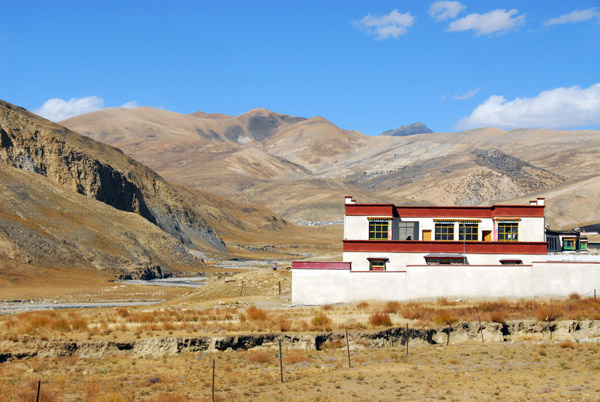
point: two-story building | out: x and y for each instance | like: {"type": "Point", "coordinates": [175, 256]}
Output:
{"type": "Point", "coordinates": [386, 237]}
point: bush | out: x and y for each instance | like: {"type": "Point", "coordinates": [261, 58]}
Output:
{"type": "Point", "coordinates": [321, 321]}
{"type": "Point", "coordinates": [363, 305]}
{"type": "Point", "coordinates": [295, 356]}
{"type": "Point", "coordinates": [546, 313]}
{"type": "Point", "coordinates": [256, 314]}
{"type": "Point", "coordinates": [498, 317]}
{"type": "Point", "coordinates": [392, 307]}
{"type": "Point", "coordinates": [380, 319]}
{"type": "Point", "coordinates": [445, 318]}
{"type": "Point", "coordinates": [260, 356]}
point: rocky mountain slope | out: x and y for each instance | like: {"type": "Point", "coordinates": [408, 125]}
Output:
{"type": "Point", "coordinates": [69, 201]}
{"type": "Point", "coordinates": [411, 129]}
{"type": "Point", "coordinates": [43, 224]}
{"type": "Point", "coordinates": [301, 168]}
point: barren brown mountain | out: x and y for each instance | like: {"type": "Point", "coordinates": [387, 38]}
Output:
{"type": "Point", "coordinates": [301, 168]}
{"type": "Point", "coordinates": [68, 201]}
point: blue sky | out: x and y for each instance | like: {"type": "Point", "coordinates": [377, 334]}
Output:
{"type": "Point", "coordinates": [368, 66]}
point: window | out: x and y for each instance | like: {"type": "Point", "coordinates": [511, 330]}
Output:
{"type": "Point", "coordinates": [569, 244]}
{"type": "Point", "coordinates": [468, 231]}
{"type": "Point", "coordinates": [377, 264]}
{"type": "Point", "coordinates": [583, 245]}
{"type": "Point", "coordinates": [444, 231]}
{"type": "Point", "coordinates": [378, 229]}
{"type": "Point", "coordinates": [511, 262]}
{"type": "Point", "coordinates": [407, 230]}
{"type": "Point", "coordinates": [508, 231]}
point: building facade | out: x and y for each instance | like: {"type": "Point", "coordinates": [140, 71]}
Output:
{"type": "Point", "coordinates": [386, 237]}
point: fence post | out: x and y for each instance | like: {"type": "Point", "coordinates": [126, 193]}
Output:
{"type": "Point", "coordinates": [348, 349]}
{"type": "Point", "coordinates": [449, 329]}
{"type": "Point", "coordinates": [406, 339]}
{"type": "Point", "coordinates": [480, 329]}
{"type": "Point", "coordinates": [280, 361]}
{"type": "Point", "coordinates": [279, 288]}
{"type": "Point", "coordinates": [213, 381]}
{"type": "Point", "coordinates": [37, 399]}
{"type": "Point", "coordinates": [594, 294]}
{"type": "Point", "coordinates": [242, 289]}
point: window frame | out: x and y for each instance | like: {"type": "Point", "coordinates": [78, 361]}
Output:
{"type": "Point", "coordinates": [442, 235]}
{"type": "Point", "coordinates": [379, 226]}
{"type": "Point", "coordinates": [378, 264]}
{"type": "Point", "coordinates": [513, 234]}
{"type": "Point", "coordinates": [466, 232]}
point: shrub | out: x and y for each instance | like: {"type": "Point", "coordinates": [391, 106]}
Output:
{"type": "Point", "coordinates": [363, 305]}
{"type": "Point", "coordinates": [327, 307]}
{"type": "Point", "coordinates": [392, 307]}
{"type": "Point", "coordinates": [260, 356]}
{"type": "Point", "coordinates": [256, 314]}
{"type": "Point", "coordinates": [442, 301]}
{"type": "Point", "coordinates": [321, 321]}
{"type": "Point", "coordinates": [380, 319]}
{"type": "Point", "coordinates": [295, 356]}
{"type": "Point", "coordinates": [283, 324]}
{"type": "Point", "coordinates": [574, 296]}
{"type": "Point", "coordinates": [498, 317]}
{"type": "Point", "coordinates": [445, 318]}
{"type": "Point", "coordinates": [546, 313]}
{"type": "Point", "coordinates": [567, 345]}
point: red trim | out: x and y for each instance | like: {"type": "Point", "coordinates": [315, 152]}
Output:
{"type": "Point", "coordinates": [385, 272]}
{"type": "Point", "coordinates": [370, 209]}
{"type": "Point", "coordinates": [468, 265]}
{"type": "Point", "coordinates": [321, 265]}
{"type": "Point", "coordinates": [413, 246]}
{"type": "Point", "coordinates": [566, 262]}
{"type": "Point", "coordinates": [378, 259]}
{"type": "Point", "coordinates": [517, 211]}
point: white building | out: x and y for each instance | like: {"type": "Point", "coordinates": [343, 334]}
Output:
{"type": "Point", "coordinates": [410, 252]}
{"type": "Point", "coordinates": [388, 237]}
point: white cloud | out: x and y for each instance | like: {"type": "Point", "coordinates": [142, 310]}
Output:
{"type": "Point", "coordinates": [575, 16]}
{"type": "Point", "coordinates": [392, 25]}
{"type": "Point", "coordinates": [467, 95]}
{"type": "Point", "coordinates": [443, 10]}
{"type": "Point", "coordinates": [57, 109]}
{"type": "Point", "coordinates": [494, 22]}
{"type": "Point", "coordinates": [557, 108]}
{"type": "Point", "coordinates": [130, 105]}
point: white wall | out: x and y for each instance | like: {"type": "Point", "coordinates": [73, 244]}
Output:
{"type": "Point", "coordinates": [399, 261]}
{"type": "Point", "coordinates": [541, 279]}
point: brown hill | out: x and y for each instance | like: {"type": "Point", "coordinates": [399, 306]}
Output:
{"type": "Point", "coordinates": [300, 168]}
{"type": "Point", "coordinates": [44, 225]}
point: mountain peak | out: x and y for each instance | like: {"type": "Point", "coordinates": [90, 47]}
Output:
{"type": "Point", "coordinates": [415, 128]}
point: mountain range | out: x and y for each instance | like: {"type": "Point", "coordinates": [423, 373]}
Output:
{"type": "Point", "coordinates": [302, 167]}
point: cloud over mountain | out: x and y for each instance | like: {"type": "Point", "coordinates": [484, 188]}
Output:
{"type": "Point", "coordinates": [558, 108]}
{"type": "Point", "coordinates": [57, 109]}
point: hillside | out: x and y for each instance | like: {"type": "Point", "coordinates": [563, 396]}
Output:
{"type": "Point", "coordinates": [301, 168]}
{"type": "Point", "coordinates": [68, 201]}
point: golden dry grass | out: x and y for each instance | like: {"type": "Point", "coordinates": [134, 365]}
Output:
{"type": "Point", "coordinates": [468, 372]}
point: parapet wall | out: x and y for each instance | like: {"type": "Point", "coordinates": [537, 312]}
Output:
{"type": "Point", "coordinates": [540, 279]}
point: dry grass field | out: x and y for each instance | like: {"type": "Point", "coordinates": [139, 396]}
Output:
{"type": "Point", "coordinates": [543, 371]}
{"type": "Point", "coordinates": [75, 361]}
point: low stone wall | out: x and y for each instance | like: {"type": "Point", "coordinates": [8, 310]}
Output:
{"type": "Point", "coordinates": [540, 279]}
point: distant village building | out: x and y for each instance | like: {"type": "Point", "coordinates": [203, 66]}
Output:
{"type": "Point", "coordinates": [433, 251]}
